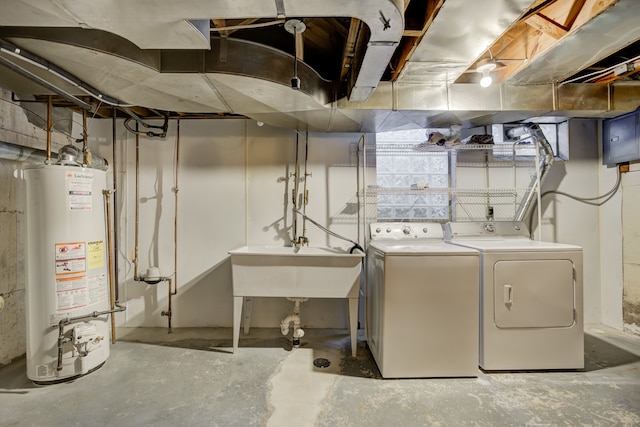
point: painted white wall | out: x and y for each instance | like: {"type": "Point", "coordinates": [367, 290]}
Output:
{"type": "Point", "coordinates": [567, 221]}
{"type": "Point", "coordinates": [631, 249]}
{"type": "Point", "coordinates": [611, 280]}
{"type": "Point", "coordinates": [235, 182]}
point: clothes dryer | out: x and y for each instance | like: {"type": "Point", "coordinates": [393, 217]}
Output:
{"type": "Point", "coordinates": [421, 302]}
{"type": "Point", "coordinates": [531, 314]}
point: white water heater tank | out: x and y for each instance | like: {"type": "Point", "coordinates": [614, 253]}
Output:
{"type": "Point", "coordinates": [67, 272]}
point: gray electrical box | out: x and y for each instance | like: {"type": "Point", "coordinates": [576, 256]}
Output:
{"type": "Point", "coordinates": [621, 139]}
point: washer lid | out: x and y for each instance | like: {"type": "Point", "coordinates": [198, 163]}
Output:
{"type": "Point", "coordinates": [420, 247]}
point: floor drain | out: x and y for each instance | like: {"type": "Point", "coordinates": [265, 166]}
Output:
{"type": "Point", "coordinates": [321, 362]}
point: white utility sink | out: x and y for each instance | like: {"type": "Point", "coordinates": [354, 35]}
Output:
{"type": "Point", "coordinates": [306, 272]}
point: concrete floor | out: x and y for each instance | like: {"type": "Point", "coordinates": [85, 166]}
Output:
{"type": "Point", "coordinates": [189, 378]}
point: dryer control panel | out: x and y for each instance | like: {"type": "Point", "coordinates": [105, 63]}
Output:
{"type": "Point", "coordinates": [405, 230]}
{"type": "Point", "coordinates": [486, 230]}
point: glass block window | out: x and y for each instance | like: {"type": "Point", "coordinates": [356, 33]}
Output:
{"type": "Point", "coordinates": [408, 177]}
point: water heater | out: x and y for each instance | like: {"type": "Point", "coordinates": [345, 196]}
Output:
{"type": "Point", "coordinates": [67, 272]}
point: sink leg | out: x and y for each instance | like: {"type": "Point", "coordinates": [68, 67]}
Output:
{"type": "Point", "coordinates": [237, 315]}
{"type": "Point", "coordinates": [353, 324]}
{"type": "Point", "coordinates": [247, 309]}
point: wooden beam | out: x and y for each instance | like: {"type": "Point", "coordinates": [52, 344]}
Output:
{"type": "Point", "coordinates": [411, 39]}
{"type": "Point", "coordinates": [412, 33]}
{"type": "Point", "coordinates": [590, 10]}
{"type": "Point", "coordinates": [350, 47]}
{"type": "Point", "coordinates": [547, 26]}
{"type": "Point", "coordinates": [573, 13]}
{"type": "Point", "coordinates": [220, 23]}
{"type": "Point", "coordinates": [300, 46]}
{"type": "Point", "coordinates": [245, 22]}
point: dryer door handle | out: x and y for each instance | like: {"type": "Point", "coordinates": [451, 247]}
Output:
{"type": "Point", "coordinates": [508, 294]}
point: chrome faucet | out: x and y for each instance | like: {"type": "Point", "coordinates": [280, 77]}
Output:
{"type": "Point", "coordinates": [300, 241]}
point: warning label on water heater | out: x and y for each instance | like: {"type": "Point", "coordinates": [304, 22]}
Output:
{"type": "Point", "coordinates": [71, 293]}
{"type": "Point", "coordinates": [71, 258]}
{"type": "Point", "coordinates": [95, 254]}
{"type": "Point", "coordinates": [79, 186]}
{"type": "Point", "coordinates": [76, 285]}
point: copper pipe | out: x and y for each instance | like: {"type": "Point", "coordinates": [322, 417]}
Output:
{"type": "Point", "coordinates": [112, 288]}
{"type": "Point", "coordinates": [305, 192]}
{"type": "Point", "coordinates": [175, 223]}
{"type": "Point", "coordinates": [115, 204]}
{"type": "Point", "coordinates": [85, 150]}
{"type": "Point", "coordinates": [294, 195]}
{"type": "Point", "coordinates": [49, 130]}
{"type": "Point", "coordinates": [168, 312]}
{"type": "Point", "coordinates": [174, 283]}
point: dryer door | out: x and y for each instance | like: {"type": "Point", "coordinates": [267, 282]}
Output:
{"type": "Point", "coordinates": [533, 293]}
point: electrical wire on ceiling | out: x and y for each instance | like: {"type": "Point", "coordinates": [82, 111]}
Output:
{"type": "Point", "coordinates": [591, 76]}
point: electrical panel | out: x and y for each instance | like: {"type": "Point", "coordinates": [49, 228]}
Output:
{"type": "Point", "coordinates": [621, 139]}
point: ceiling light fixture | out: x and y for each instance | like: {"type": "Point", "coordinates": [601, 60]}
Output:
{"type": "Point", "coordinates": [486, 66]}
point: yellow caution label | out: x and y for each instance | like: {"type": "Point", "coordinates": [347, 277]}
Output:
{"type": "Point", "coordinates": [95, 254]}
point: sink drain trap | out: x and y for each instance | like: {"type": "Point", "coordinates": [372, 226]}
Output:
{"type": "Point", "coordinates": [321, 362]}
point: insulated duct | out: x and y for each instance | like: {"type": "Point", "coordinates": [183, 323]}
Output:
{"type": "Point", "coordinates": [19, 153]}
{"type": "Point", "coordinates": [149, 25]}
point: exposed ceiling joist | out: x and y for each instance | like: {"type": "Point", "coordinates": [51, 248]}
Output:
{"type": "Point", "coordinates": [419, 14]}
{"type": "Point", "coordinates": [537, 32]}
{"type": "Point", "coordinates": [350, 47]}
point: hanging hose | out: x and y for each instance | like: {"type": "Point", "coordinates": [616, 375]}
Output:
{"type": "Point", "coordinates": [329, 232]}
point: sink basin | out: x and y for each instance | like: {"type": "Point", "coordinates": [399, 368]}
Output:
{"type": "Point", "coordinates": [306, 272]}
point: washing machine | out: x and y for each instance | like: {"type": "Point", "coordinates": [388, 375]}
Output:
{"type": "Point", "coordinates": [421, 302]}
{"type": "Point", "coordinates": [531, 315]}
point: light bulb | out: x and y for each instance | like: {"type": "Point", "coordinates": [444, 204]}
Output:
{"type": "Point", "coordinates": [486, 80]}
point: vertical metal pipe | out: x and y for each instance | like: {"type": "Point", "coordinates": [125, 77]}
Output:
{"type": "Point", "coordinates": [364, 189]}
{"type": "Point", "coordinates": [137, 196]}
{"type": "Point", "coordinates": [175, 226]}
{"type": "Point", "coordinates": [358, 187]}
{"type": "Point", "coordinates": [115, 204]}
{"type": "Point", "coordinates": [294, 198]}
{"type": "Point", "coordinates": [305, 192]}
{"type": "Point", "coordinates": [112, 292]}
{"type": "Point", "coordinates": [86, 160]}
{"type": "Point", "coordinates": [49, 129]}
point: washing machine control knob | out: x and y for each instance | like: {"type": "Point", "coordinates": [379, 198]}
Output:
{"type": "Point", "coordinates": [489, 228]}
{"type": "Point", "coordinates": [378, 230]}
{"type": "Point", "coordinates": [406, 230]}
{"type": "Point", "coordinates": [388, 229]}
{"type": "Point", "coordinates": [425, 230]}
